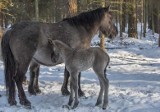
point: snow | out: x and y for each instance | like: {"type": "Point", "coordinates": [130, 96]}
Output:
{"type": "Point", "coordinates": [134, 75]}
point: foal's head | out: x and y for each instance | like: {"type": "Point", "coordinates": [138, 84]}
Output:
{"type": "Point", "coordinates": [58, 46]}
{"type": "Point", "coordinates": [55, 54]}
{"type": "Point", "coordinates": [107, 26]}
{"type": "Point", "coordinates": [55, 45]}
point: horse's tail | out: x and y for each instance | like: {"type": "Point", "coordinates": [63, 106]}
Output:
{"type": "Point", "coordinates": [8, 59]}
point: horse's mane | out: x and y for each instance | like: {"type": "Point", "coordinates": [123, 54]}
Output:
{"type": "Point", "coordinates": [86, 19]}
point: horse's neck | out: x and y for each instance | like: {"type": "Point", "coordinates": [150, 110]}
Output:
{"type": "Point", "coordinates": [93, 30]}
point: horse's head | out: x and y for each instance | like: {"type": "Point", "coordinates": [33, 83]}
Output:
{"type": "Point", "coordinates": [107, 26]}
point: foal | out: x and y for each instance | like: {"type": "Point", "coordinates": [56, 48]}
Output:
{"type": "Point", "coordinates": [80, 60]}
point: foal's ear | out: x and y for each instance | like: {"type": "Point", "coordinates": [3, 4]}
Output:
{"type": "Point", "coordinates": [50, 41]}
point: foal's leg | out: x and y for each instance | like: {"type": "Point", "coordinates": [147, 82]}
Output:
{"type": "Point", "coordinates": [71, 97]}
{"type": "Point", "coordinates": [74, 84]}
{"type": "Point", "coordinates": [64, 88]}
{"type": "Point", "coordinates": [36, 84]}
{"type": "Point", "coordinates": [99, 99]}
{"type": "Point", "coordinates": [80, 92]}
{"type": "Point", "coordinates": [33, 87]}
{"type": "Point", "coordinates": [105, 83]}
{"type": "Point", "coordinates": [106, 87]}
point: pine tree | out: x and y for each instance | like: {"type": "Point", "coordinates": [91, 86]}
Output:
{"type": "Point", "coordinates": [132, 22]}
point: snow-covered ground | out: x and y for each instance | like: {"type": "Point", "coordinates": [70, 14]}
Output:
{"type": "Point", "coordinates": [134, 76]}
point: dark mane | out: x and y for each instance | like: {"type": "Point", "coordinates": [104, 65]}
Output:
{"type": "Point", "coordinates": [86, 19]}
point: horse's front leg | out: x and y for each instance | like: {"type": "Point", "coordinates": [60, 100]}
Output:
{"type": "Point", "coordinates": [33, 87]}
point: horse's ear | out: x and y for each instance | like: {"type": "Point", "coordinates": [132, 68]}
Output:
{"type": "Point", "coordinates": [107, 9]}
{"type": "Point", "coordinates": [50, 41]}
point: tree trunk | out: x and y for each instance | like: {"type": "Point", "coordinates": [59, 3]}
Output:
{"type": "Point", "coordinates": [37, 9]}
{"type": "Point", "coordinates": [72, 7]}
{"type": "Point", "coordinates": [150, 11]}
{"type": "Point", "coordinates": [102, 37]}
{"type": "Point", "coordinates": [120, 16]}
{"type": "Point", "coordinates": [158, 8]}
{"type": "Point", "coordinates": [155, 17]}
{"type": "Point", "coordinates": [123, 15]}
{"type": "Point", "coordinates": [132, 23]}
{"type": "Point", "coordinates": [102, 40]}
{"type": "Point", "coordinates": [144, 17]}
{"type": "Point", "coordinates": [1, 19]}
{"type": "Point", "coordinates": [142, 8]}
{"type": "Point", "coordinates": [159, 40]}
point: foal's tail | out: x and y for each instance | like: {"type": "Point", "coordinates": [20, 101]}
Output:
{"type": "Point", "coordinates": [8, 59]}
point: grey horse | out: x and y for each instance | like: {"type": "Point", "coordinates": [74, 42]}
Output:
{"type": "Point", "coordinates": [80, 60]}
{"type": "Point", "coordinates": [26, 43]}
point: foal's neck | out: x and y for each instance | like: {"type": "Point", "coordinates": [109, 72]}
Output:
{"type": "Point", "coordinates": [66, 52]}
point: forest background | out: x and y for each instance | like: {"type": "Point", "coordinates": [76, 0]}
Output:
{"type": "Point", "coordinates": [128, 14]}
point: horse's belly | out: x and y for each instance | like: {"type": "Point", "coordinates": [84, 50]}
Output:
{"type": "Point", "coordinates": [43, 56]}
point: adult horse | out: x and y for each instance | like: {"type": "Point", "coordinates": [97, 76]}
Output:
{"type": "Point", "coordinates": [26, 43]}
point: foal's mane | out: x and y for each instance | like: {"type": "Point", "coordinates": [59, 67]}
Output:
{"type": "Point", "coordinates": [87, 19]}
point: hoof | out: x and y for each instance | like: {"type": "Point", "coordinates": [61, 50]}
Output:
{"type": "Point", "coordinates": [67, 106]}
{"type": "Point", "coordinates": [75, 105]}
{"type": "Point", "coordinates": [38, 91]}
{"type": "Point", "coordinates": [12, 102]}
{"type": "Point", "coordinates": [104, 108]}
{"type": "Point", "coordinates": [65, 92]}
{"type": "Point", "coordinates": [31, 91]}
{"type": "Point", "coordinates": [26, 103]}
{"type": "Point", "coordinates": [80, 93]}
{"type": "Point", "coordinates": [98, 104]}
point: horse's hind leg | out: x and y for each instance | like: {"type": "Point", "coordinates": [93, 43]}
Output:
{"type": "Point", "coordinates": [21, 70]}
{"type": "Point", "coordinates": [33, 87]}
{"type": "Point", "coordinates": [11, 90]}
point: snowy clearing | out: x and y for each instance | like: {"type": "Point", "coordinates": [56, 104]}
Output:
{"type": "Point", "coordinates": [134, 76]}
